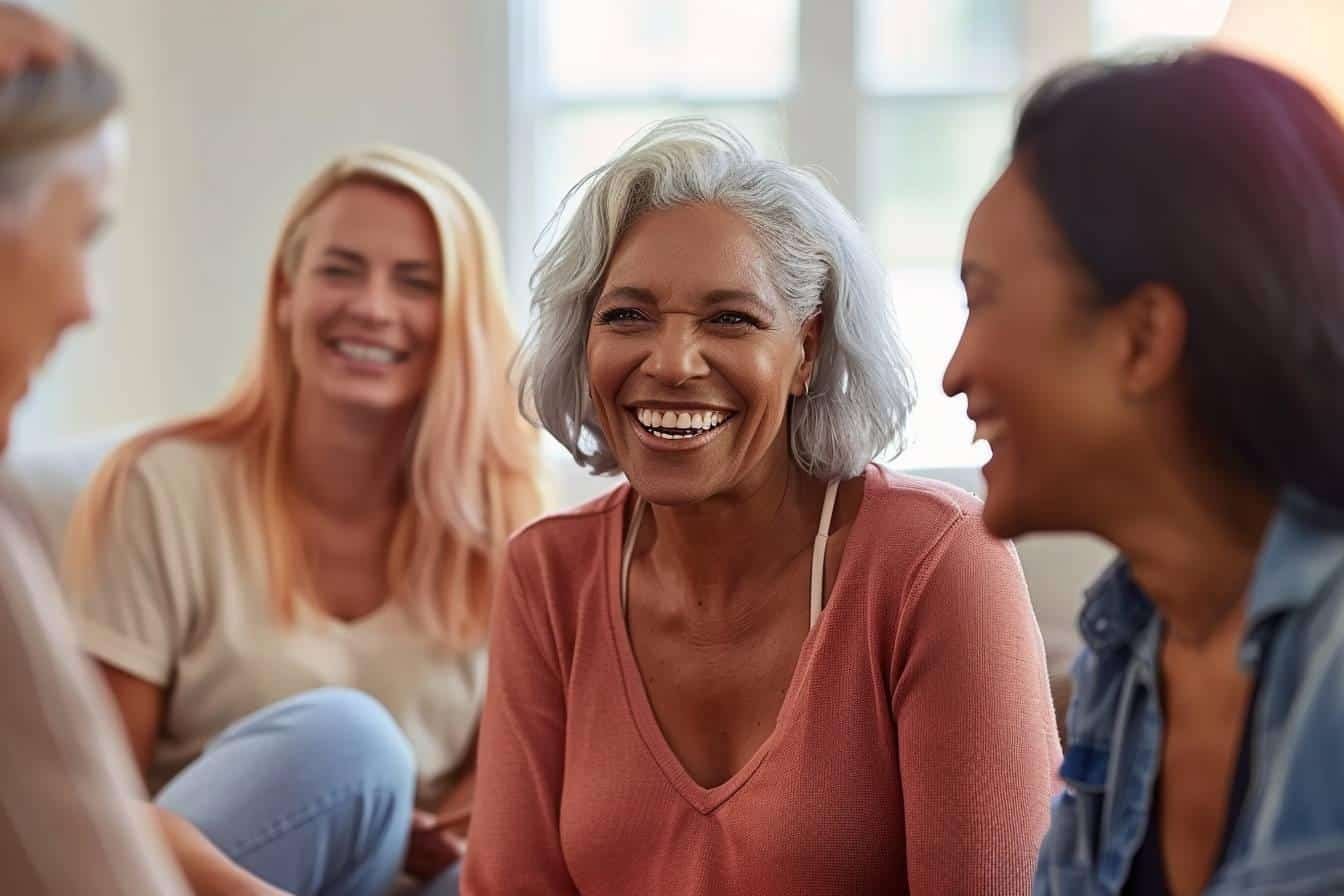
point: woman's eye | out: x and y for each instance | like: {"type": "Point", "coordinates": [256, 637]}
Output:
{"type": "Point", "coordinates": [734, 319]}
{"type": "Point", "coordinates": [619, 316]}
{"type": "Point", "coordinates": [336, 273]}
{"type": "Point", "coordinates": [424, 287]}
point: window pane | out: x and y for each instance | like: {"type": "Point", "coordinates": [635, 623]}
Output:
{"type": "Point", "coordinates": [918, 45]}
{"type": "Point", "coordinates": [576, 138]}
{"type": "Point", "coordinates": [615, 48]}
{"type": "Point", "coordinates": [931, 310]}
{"type": "Point", "coordinates": [926, 162]}
{"type": "Point", "coordinates": [1117, 24]}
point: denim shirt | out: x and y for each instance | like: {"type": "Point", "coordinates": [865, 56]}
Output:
{"type": "Point", "coordinates": [1289, 835]}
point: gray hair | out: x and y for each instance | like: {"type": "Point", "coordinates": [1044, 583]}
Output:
{"type": "Point", "coordinates": [54, 120]}
{"type": "Point", "coordinates": [862, 388]}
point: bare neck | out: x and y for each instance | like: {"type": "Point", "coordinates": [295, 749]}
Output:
{"type": "Point", "coordinates": [714, 546]}
{"type": "Point", "coordinates": [1191, 537]}
{"type": "Point", "coordinates": [347, 464]}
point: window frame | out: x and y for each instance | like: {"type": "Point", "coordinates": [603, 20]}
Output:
{"type": "Point", "coordinates": [823, 113]}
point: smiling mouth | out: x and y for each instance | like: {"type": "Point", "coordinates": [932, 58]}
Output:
{"type": "Point", "coordinates": [679, 424]}
{"type": "Point", "coordinates": [363, 353]}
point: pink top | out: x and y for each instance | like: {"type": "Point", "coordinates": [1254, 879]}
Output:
{"type": "Point", "coordinates": [914, 752]}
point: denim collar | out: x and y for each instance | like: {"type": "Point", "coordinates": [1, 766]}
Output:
{"type": "Point", "coordinates": [1302, 552]}
{"type": "Point", "coordinates": [1115, 610]}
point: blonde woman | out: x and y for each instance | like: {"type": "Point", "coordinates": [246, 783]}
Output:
{"type": "Point", "coordinates": [288, 596]}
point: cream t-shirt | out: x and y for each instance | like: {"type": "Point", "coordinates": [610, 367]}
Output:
{"type": "Point", "coordinates": [181, 601]}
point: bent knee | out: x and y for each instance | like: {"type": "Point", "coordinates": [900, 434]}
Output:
{"type": "Point", "coordinates": [350, 728]}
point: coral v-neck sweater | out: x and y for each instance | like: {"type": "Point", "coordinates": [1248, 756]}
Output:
{"type": "Point", "coordinates": [914, 751]}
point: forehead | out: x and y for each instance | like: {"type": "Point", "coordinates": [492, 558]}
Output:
{"type": "Point", "coordinates": [690, 250]}
{"type": "Point", "coordinates": [376, 218]}
{"type": "Point", "coordinates": [1011, 225]}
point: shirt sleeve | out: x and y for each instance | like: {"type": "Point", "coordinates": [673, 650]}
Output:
{"type": "Point", "coordinates": [134, 612]}
{"type": "Point", "coordinates": [974, 718]}
{"type": "Point", "coordinates": [515, 829]}
{"type": "Point", "coordinates": [72, 819]}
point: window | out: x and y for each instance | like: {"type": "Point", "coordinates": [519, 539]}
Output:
{"type": "Point", "coordinates": [1117, 24]}
{"type": "Point", "coordinates": [906, 104]}
{"type": "Point", "coordinates": [608, 69]}
{"type": "Point", "coordinates": [937, 83]}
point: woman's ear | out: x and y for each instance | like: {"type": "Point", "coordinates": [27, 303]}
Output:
{"type": "Point", "coordinates": [1155, 324]}
{"type": "Point", "coordinates": [811, 336]}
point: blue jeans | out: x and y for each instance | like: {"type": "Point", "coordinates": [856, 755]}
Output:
{"type": "Point", "coordinates": [312, 794]}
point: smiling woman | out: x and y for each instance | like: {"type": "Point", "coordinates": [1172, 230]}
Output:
{"type": "Point", "coordinates": [332, 534]}
{"type": "Point", "coordinates": [1154, 351]}
{"type": "Point", "coordinates": [765, 665]}
{"type": "Point", "coordinates": [362, 314]}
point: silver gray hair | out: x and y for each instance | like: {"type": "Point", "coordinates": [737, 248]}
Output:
{"type": "Point", "coordinates": [862, 387]}
{"type": "Point", "coordinates": [54, 121]}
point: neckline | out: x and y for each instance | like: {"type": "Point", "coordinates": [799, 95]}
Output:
{"type": "Point", "coordinates": [818, 575]}
{"type": "Point", "coordinates": [321, 617]}
{"type": "Point", "coordinates": [706, 800]}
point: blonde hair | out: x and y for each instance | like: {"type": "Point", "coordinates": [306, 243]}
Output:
{"type": "Point", "coordinates": [472, 466]}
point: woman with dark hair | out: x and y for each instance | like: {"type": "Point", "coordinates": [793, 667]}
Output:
{"type": "Point", "coordinates": [1154, 351]}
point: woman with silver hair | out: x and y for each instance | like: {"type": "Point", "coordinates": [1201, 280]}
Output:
{"type": "Point", "coordinates": [766, 664]}
{"type": "Point", "coordinates": [68, 817]}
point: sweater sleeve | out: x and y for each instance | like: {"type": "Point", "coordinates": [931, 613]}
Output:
{"type": "Point", "coordinates": [71, 817]}
{"type": "Point", "coordinates": [515, 830]}
{"type": "Point", "coordinates": [975, 723]}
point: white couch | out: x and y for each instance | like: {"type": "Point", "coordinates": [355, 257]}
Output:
{"type": "Point", "coordinates": [1057, 567]}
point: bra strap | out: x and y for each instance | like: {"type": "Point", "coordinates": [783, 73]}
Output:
{"type": "Point", "coordinates": [819, 550]}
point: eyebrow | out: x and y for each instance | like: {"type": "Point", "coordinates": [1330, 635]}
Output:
{"type": "Point", "coordinates": [353, 257]}
{"type": "Point", "coordinates": [713, 297]}
{"type": "Point", "coordinates": [629, 293]}
{"type": "Point", "coordinates": [349, 255]}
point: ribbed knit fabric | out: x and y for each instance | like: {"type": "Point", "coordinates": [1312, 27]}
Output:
{"type": "Point", "coordinates": [914, 752]}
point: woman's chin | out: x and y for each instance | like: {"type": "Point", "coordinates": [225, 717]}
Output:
{"type": "Point", "coordinates": [1002, 513]}
{"type": "Point", "coordinates": [1001, 524]}
{"type": "Point", "coordinates": [367, 399]}
{"type": "Point", "coordinates": [667, 491]}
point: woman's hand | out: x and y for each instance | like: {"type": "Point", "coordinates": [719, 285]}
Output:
{"type": "Point", "coordinates": [208, 871]}
{"type": "Point", "coordinates": [28, 39]}
{"type": "Point", "coordinates": [436, 844]}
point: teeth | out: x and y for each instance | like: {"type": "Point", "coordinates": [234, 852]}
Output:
{"type": "Point", "coordinates": [371, 354]}
{"type": "Point", "coordinates": [693, 420]}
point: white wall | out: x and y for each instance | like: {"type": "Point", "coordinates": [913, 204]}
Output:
{"type": "Point", "coordinates": [231, 107]}
{"type": "Point", "coordinates": [113, 371]}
